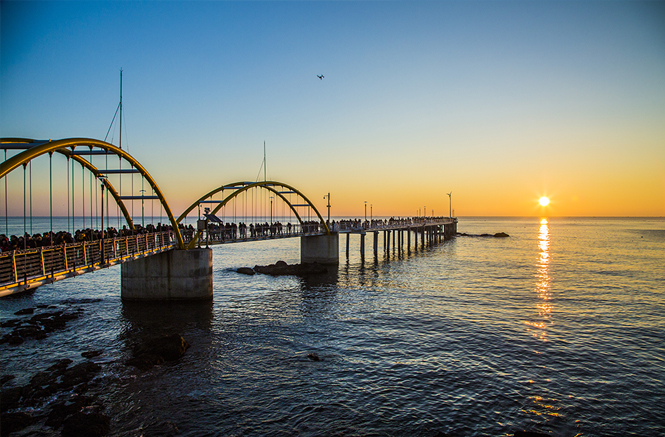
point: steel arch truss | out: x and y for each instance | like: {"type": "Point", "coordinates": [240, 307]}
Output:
{"type": "Point", "coordinates": [277, 188]}
{"type": "Point", "coordinates": [36, 148]}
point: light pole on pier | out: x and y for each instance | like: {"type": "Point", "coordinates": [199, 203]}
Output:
{"type": "Point", "coordinates": [271, 210]}
{"type": "Point", "coordinates": [142, 208]}
{"type": "Point", "coordinates": [328, 197]}
{"type": "Point", "coordinates": [371, 212]}
{"type": "Point", "coordinates": [365, 210]}
{"type": "Point", "coordinates": [450, 204]}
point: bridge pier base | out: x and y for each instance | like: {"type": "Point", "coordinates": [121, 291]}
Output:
{"type": "Point", "coordinates": [322, 249]}
{"type": "Point", "coordinates": [172, 275]}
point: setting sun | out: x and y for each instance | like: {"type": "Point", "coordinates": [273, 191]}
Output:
{"type": "Point", "coordinates": [544, 201]}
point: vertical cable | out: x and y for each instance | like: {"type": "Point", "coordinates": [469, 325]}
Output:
{"type": "Point", "coordinates": [50, 190]}
{"type": "Point", "coordinates": [30, 165]}
{"type": "Point", "coordinates": [25, 240]}
{"type": "Point", "coordinates": [68, 228]}
{"type": "Point", "coordinates": [6, 218]}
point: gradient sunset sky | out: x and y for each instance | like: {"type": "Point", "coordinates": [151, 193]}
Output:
{"type": "Point", "coordinates": [499, 102]}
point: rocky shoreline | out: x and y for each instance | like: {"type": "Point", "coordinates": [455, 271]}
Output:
{"type": "Point", "coordinates": [60, 397]}
{"type": "Point", "coordinates": [497, 235]}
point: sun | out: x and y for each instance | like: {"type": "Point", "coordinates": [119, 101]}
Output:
{"type": "Point", "coordinates": [544, 201]}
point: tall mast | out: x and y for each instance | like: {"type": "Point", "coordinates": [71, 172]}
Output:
{"type": "Point", "coordinates": [121, 108]}
{"type": "Point", "coordinates": [264, 161]}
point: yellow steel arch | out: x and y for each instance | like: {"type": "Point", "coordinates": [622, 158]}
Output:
{"type": "Point", "coordinates": [244, 186]}
{"type": "Point", "coordinates": [53, 146]}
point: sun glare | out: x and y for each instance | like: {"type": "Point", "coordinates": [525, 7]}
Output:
{"type": "Point", "coordinates": [544, 201]}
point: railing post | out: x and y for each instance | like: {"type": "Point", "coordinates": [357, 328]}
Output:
{"type": "Point", "coordinates": [14, 266]}
{"type": "Point", "coordinates": [41, 256]}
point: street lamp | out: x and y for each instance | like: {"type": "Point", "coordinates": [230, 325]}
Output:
{"type": "Point", "coordinates": [142, 208]}
{"type": "Point", "coordinates": [450, 205]}
{"type": "Point", "coordinates": [328, 197]}
{"type": "Point", "coordinates": [371, 212]}
{"type": "Point", "coordinates": [365, 210]}
{"type": "Point", "coordinates": [271, 210]}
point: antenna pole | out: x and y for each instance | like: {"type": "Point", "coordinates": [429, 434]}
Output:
{"type": "Point", "coordinates": [120, 108]}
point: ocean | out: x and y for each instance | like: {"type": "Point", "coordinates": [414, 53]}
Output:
{"type": "Point", "coordinates": [557, 329]}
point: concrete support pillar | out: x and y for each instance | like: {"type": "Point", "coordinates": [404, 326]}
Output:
{"type": "Point", "coordinates": [408, 240]}
{"type": "Point", "coordinates": [376, 243]}
{"type": "Point", "coordinates": [348, 234]}
{"type": "Point", "coordinates": [322, 249]}
{"type": "Point", "coordinates": [172, 275]}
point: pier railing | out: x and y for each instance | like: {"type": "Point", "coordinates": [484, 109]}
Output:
{"type": "Point", "coordinates": [30, 268]}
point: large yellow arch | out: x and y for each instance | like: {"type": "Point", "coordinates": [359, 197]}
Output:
{"type": "Point", "coordinates": [60, 146]}
{"type": "Point", "coordinates": [240, 187]}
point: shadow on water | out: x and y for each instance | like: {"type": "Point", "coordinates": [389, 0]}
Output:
{"type": "Point", "coordinates": [156, 318]}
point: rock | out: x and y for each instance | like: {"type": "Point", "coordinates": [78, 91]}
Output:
{"type": "Point", "coordinates": [282, 268]}
{"type": "Point", "coordinates": [24, 311]}
{"type": "Point", "coordinates": [62, 410]}
{"type": "Point", "coordinates": [314, 357]}
{"type": "Point", "coordinates": [10, 399]}
{"type": "Point", "coordinates": [530, 434]}
{"type": "Point", "coordinates": [78, 374]}
{"type": "Point", "coordinates": [91, 354]}
{"type": "Point", "coordinates": [11, 323]}
{"type": "Point", "coordinates": [501, 235]}
{"type": "Point", "coordinates": [6, 378]}
{"type": "Point", "coordinates": [164, 429]}
{"type": "Point", "coordinates": [12, 422]}
{"type": "Point", "coordinates": [85, 425]}
{"type": "Point", "coordinates": [145, 361]}
{"type": "Point", "coordinates": [246, 271]}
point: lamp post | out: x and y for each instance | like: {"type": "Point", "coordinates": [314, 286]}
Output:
{"type": "Point", "coordinates": [328, 197]}
{"type": "Point", "coordinates": [271, 210]}
{"type": "Point", "coordinates": [365, 210]}
{"type": "Point", "coordinates": [371, 212]}
{"type": "Point", "coordinates": [450, 204]}
{"type": "Point", "coordinates": [142, 208]}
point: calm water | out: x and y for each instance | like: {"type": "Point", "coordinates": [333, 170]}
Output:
{"type": "Point", "coordinates": [559, 328]}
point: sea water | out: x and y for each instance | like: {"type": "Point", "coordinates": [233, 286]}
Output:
{"type": "Point", "coordinates": [558, 328]}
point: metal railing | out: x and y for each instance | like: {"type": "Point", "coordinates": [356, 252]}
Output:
{"type": "Point", "coordinates": [25, 269]}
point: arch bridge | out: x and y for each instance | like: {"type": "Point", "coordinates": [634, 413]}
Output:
{"type": "Point", "coordinates": [102, 168]}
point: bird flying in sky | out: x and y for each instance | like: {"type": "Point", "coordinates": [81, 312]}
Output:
{"type": "Point", "coordinates": [320, 76]}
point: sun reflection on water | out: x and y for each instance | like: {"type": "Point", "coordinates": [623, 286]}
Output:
{"type": "Point", "coordinates": [543, 283]}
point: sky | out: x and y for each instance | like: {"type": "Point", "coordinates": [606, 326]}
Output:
{"type": "Point", "coordinates": [498, 102]}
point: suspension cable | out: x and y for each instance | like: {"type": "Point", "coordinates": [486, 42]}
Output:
{"type": "Point", "coordinates": [50, 191]}
{"type": "Point", "coordinates": [30, 166]}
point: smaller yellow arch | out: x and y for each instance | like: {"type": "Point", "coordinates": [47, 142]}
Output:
{"type": "Point", "coordinates": [240, 187]}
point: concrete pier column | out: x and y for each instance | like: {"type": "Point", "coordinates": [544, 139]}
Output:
{"type": "Point", "coordinates": [408, 240]}
{"type": "Point", "coordinates": [172, 275]}
{"type": "Point", "coordinates": [376, 243]}
{"type": "Point", "coordinates": [322, 249]}
{"type": "Point", "coordinates": [347, 244]}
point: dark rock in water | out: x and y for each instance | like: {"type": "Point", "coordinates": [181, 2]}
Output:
{"type": "Point", "coordinates": [282, 268]}
{"type": "Point", "coordinates": [164, 429]}
{"type": "Point", "coordinates": [86, 425]}
{"type": "Point", "coordinates": [246, 271]}
{"type": "Point", "coordinates": [145, 361]}
{"type": "Point", "coordinates": [12, 422]}
{"type": "Point", "coordinates": [501, 235]}
{"type": "Point", "coordinates": [78, 374]}
{"type": "Point", "coordinates": [530, 434]}
{"type": "Point", "coordinates": [156, 350]}
{"type": "Point", "coordinates": [10, 399]}
{"type": "Point", "coordinates": [314, 357]}
{"type": "Point", "coordinates": [6, 378]}
{"type": "Point", "coordinates": [24, 311]}
{"type": "Point", "coordinates": [91, 354]}
{"type": "Point", "coordinates": [62, 410]}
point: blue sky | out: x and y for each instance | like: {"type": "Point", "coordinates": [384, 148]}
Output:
{"type": "Point", "coordinates": [501, 102]}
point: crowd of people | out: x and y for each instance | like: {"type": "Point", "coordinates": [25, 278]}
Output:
{"type": "Point", "coordinates": [357, 224]}
{"type": "Point", "coordinates": [241, 231]}
{"type": "Point", "coordinates": [33, 241]}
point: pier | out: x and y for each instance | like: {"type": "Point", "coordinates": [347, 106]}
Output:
{"type": "Point", "coordinates": [173, 261]}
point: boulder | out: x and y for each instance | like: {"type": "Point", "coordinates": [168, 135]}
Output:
{"type": "Point", "coordinates": [12, 422]}
{"type": "Point", "coordinates": [282, 268]}
{"type": "Point", "coordinates": [86, 425]}
{"type": "Point", "coordinates": [246, 271]}
{"type": "Point", "coordinates": [501, 235]}
{"type": "Point", "coordinates": [156, 350]}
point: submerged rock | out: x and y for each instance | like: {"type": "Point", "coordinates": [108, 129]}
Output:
{"type": "Point", "coordinates": [12, 422]}
{"type": "Point", "coordinates": [246, 271]}
{"type": "Point", "coordinates": [88, 425]}
{"type": "Point", "coordinates": [501, 235]}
